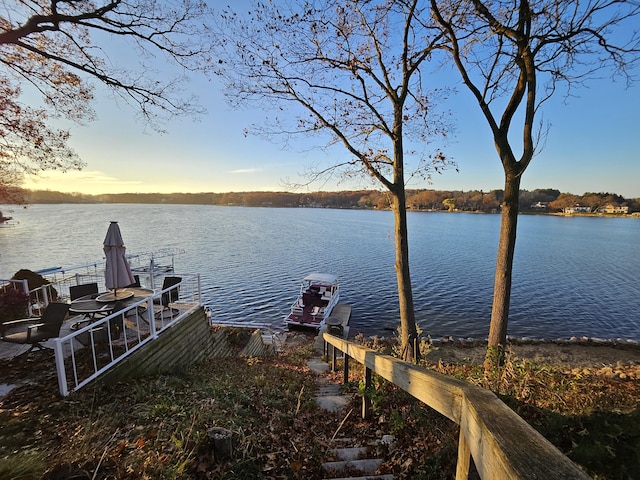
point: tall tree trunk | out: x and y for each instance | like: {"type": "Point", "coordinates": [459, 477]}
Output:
{"type": "Point", "coordinates": [408, 330]}
{"type": "Point", "coordinates": [504, 269]}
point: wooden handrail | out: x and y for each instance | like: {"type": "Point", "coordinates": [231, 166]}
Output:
{"type": "Point", "coordinates": [503, 446]}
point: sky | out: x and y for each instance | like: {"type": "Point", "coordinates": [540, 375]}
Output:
{"type": "Point", "coordinates": [593, 145]}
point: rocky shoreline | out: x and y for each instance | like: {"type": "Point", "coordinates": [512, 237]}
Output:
{"type": "Point", "coordinates": [611, 359]}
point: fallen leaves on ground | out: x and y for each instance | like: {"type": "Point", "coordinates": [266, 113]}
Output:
{"type": "Point", "coordinates": [159, 427]}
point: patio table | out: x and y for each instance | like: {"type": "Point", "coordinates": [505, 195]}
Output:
{"type": "Point", "coordinates": [102, 304]}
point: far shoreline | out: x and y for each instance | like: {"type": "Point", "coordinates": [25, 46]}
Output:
{"type": "Point", "coordinates": [634, 215]}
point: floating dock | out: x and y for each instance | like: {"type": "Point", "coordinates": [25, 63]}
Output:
{"type": "Point", "coordinates": [336, 324]}
{"type": "Point", "coordinates": [338, 321]}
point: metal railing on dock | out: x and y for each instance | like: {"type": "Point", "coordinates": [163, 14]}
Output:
{"type": "Point", "coordinates": [148, 266]}
{"type": "Point", "coordinates": [503, 446]}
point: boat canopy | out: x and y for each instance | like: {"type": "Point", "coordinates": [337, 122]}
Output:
{"type": "Point", "coordinates": [321, 278]}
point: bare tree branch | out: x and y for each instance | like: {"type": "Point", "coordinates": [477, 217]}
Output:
{"type": "Point", "coordinates": [49, 45]}
{"type": "Point", "coordinates": [513, 56]}
{"type": "Point", "coordinates": [350, 73]}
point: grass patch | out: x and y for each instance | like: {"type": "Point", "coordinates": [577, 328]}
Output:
{"type": "Point", "coordinates": [590, 414]}
{"type": "Point", "coordinates": [158, 427]}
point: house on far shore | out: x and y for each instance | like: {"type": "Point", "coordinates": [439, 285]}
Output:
{"type": "Point", "coordinates": [540, 206]}
{"type": "Point", "coordinates": [576, 209]}
{"type": "Point", "coordinates": [613, 209]}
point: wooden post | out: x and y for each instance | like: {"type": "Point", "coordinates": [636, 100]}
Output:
{"type": "Point", "coordinates": [501, 445]}
{"type": "Point", "coordinates": [366, 401]}
{"type": "Point", "coordinates": [222, 442]}
{"type": "Point", "coordinates": [333, 358]}
{"type": "Point", "coordinates": [464, 458]}
{"type": "Point", "coordinates": [345, 368]}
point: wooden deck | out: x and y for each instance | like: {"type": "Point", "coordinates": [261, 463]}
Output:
{"type": "Point", "coordinates": [339, 319]}
{"type": "Point", "coordinates": [336, 324]}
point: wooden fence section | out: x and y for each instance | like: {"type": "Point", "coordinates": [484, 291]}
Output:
{"type": "Point", "coordinates": [503, 446]}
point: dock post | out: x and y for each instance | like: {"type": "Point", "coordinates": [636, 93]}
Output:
{"type": "Point", "coordinates": [366, 399]}
{"type": "Point", "coordinates": [345, 368]}
{"type": "Point", "coordinates": [333, 358]}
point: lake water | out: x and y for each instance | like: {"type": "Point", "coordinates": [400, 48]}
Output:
{"type": "Point", "coordinates": [573, 276]}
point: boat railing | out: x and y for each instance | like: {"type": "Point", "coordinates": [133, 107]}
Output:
{"type": "Point", "coordinates": [86, 352]}
{"type": "Point", "coordinates": [502, 445]}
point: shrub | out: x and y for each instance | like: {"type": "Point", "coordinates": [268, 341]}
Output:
{"type": "Point", "coordinates": [13, 304]}
{"type": "Point", "coordinates": [35, 280]}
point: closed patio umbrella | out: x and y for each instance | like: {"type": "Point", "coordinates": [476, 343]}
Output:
{"type": "Point", "coordinates": [117, 273]}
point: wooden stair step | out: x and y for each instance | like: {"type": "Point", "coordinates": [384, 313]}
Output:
{"type": "Point", "coordinates": [386, 476]}
{"type": "Point", "coordinates": [349, 453]}
{"type": "Point", "coordinates": [332, 403]}
{"type": "Point", "coordinates": [363, 465]}
{"type": "Point", "coordinates": [317, 366]}
{"type": "Point", "coordinates": [352, 460]}
{"type": "Point", "coordinates": [328, 389]}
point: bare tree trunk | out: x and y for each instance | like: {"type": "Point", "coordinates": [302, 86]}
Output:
{"type": "Point", "coordinates": [408, 329]}
{"type": "Point", "coordinates": [504, 268]}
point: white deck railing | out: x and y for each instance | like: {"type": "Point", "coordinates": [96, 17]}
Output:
{"type": "Point", "coordinates": [149, 266]}
{"type": "Point", "coordinates": [87, 352]}
{"type": "Point", "coordinates": [6, 284]}
{"type": "Point", "coordinates": [38, 297]}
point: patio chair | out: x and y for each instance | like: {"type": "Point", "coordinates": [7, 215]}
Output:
{"type": "Point", "coordinates": [170, 296]}
{"type": "Point", "coordinates": [36, 330]}
{"type": "Point", "coordinates": [105, 334]}
{"type": "Point", "coordinates": [82, 290]}
{"type": "Point", "coordinates": [77, 291]}
{"type": "Point", "coordinates": [136, 282]}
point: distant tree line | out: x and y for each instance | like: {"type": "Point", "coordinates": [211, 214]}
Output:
{"type": "Point", "coordinates": [539, 200]}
